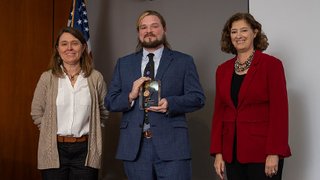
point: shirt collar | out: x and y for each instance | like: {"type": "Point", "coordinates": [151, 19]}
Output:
{"type": "Point", "coordinates": [157, 53]}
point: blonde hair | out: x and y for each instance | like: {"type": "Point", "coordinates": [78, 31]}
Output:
{"type": "Point", "coordinates": [162, 21]}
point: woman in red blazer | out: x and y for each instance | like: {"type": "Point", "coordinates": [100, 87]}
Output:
{"type": "Point", "coordinates": [250, 123]}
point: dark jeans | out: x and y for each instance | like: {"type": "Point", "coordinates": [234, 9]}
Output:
{"type": "Point", "coordinates": [250, 171]}
{"type": "Point", "coordinates": [72, 159]}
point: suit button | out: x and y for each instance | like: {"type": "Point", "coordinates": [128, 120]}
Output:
{"type": "Point", "coordinates": [140, 125]}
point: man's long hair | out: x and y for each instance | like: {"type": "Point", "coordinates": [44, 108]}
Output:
{"type": "Point", "coordinates": [163, 23]}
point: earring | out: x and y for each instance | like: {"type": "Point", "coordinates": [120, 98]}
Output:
{"type": "Point", "coordinates": [59, 60]}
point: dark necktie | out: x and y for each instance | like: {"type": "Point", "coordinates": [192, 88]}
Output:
{"type": "Point", "coordinates": [149, 70]}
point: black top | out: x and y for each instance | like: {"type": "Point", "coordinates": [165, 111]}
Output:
{"type": "Point", "coordinates": [235, 87]}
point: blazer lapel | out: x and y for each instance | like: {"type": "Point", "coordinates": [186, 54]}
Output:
{"type": "Point", "coordinates": [165, 61]}
{"type": "Point", "coordinates": [248, 79]}
{"type": "Point", "coordinates": [228, 80]}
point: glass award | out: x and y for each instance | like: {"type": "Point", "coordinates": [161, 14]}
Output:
{"type": "Point", "coordinates": [149, 94]}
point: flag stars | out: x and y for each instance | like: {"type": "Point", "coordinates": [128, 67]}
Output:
{"type": "Point", "coordinates": [79, 19]}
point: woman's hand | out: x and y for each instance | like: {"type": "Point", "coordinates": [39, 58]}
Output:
{"type": "Point", "coordinates": [271, 167]}
{"type": "Point", "coordinates": [219, 165]}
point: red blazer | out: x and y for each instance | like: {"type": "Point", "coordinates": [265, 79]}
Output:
{"type": "Point", "coordinates": [261, 118]}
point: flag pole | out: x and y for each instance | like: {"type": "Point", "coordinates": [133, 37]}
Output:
{"type": "Point", "coordinates": [73, 8]}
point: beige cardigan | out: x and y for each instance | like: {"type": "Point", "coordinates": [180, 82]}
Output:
{"type": "Point", "coordinates": [44, 114]}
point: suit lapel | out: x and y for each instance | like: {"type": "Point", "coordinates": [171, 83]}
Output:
{"type": "Point", "coordinates": [248, 79]}
{"type": "Point", "coordinates": [136, 65]}
{"type": "Point", "coordinates": [165, 61]}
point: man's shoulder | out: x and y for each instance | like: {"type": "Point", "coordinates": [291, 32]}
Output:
{"type": "Point", "coordinates": [129, 59]}
{"type": "Point", "coordinates": [131, 55]}
{"type": "Point", "coordinates": [178, 55]}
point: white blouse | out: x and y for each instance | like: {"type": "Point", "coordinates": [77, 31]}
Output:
{"type": "Point", "coordinates": [73, 107]}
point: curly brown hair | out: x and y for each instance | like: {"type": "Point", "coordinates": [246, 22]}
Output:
{"type": "Point", "coordinates": [85, 59]}
{"type": "Point", "coordinates": [260, 41]}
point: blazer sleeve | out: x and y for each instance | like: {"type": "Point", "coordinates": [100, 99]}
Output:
{"type": "Point", "coordinates": [277, 142]}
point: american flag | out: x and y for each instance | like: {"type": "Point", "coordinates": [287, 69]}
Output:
{"type": "Point", "coordinates": [78, 19]}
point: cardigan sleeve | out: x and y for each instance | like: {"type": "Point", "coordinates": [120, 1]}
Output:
{"type": "Point", "coordinates": [39, 98]}
{"type": "Point", "coordinates": [102, 91]}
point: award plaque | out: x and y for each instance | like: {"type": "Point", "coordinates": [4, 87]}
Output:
{"type": "Point", "coordinates": [149, 94]}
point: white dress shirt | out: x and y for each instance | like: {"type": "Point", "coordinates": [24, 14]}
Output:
{"type": "Point", "coordinates": [73, 107]}
{"type": "Point", "coordinates": [156, 59]}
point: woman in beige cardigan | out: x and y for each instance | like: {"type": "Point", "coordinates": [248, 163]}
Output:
{"type": "Point", "coordinates": [68, 107]}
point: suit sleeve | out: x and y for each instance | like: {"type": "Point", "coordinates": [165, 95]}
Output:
{"type": "Point", "coordinates": [117, 98]}
{"type": "Point", "coordinates": [193, 97]}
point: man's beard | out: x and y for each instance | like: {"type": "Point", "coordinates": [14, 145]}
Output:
{"type": "Point", "coordinates": [153, 44]}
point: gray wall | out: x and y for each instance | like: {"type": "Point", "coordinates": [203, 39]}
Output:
{"type": "Point", "coordinates": [294, 38]}
{"type": "Point", "coordinates": [193, 27]}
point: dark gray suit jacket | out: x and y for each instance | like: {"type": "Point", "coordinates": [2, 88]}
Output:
{"type": "Point", "coordinates": [179, 85]}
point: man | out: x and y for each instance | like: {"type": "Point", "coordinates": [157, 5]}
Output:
{"type": "Point", "coordinates": [154, 142]}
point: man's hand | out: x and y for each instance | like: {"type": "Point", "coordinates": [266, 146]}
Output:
{"type": "Point", "coordinates": [162, 106]}
{"type": "Point", "coordinates": [136, 87]}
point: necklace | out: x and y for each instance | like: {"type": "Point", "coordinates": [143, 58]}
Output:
{"type": "Point", "coordinates": [71, 77]}
{"type": "Point", "coordinates": [240, 67]}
